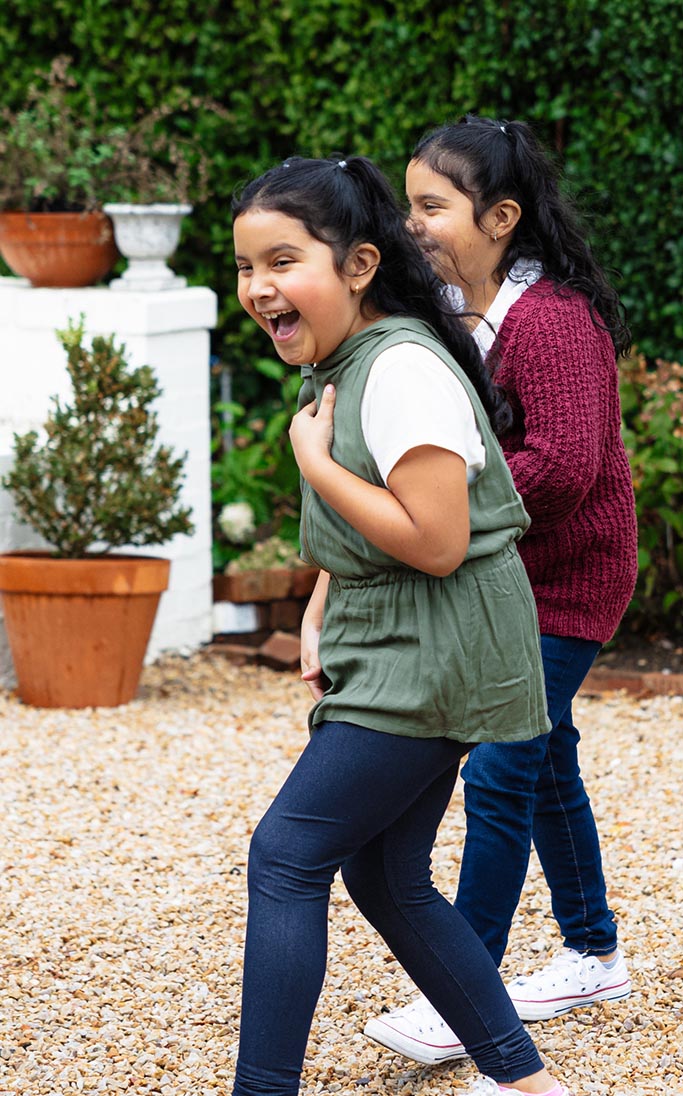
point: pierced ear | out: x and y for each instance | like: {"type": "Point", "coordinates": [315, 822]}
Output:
{"type": "Point", "coordinates": [503, 218]}
{"type": "Point", "coordinates": [361, 265]}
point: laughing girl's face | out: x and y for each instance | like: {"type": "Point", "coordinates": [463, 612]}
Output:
{"type": "Point", "coordinates": [442, 221]}
{"type": "Point", "coordinates": [289, 284]}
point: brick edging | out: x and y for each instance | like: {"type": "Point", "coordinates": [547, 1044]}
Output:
{"type": "Point", "coordinates": [602, 680]}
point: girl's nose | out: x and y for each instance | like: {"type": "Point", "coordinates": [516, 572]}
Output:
{"type": "Point", "coordinates": [259, 287]}
{"type": "Point", "coordinates": [413, 225]}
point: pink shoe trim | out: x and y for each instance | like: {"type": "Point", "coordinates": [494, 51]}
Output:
{"type": "Point", "coordinates": [556, 1090]}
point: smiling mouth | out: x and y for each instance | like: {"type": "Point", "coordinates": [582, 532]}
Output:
{"type": "Point", "coordinates": [281, 325]}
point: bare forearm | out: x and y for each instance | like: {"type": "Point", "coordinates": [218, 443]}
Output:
{"type": "Point", "coordinates": [380, 517]}
{"type": "Point", "coordinates": [313, 614]}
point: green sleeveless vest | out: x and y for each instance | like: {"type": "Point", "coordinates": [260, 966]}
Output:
{"type": "Point", "coordinates": [405, 652]}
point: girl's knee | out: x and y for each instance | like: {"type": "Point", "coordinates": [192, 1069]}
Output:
{"type": "Point", "coordinates": [284, 861]}
{"type": "Point", "coordinates": [361, 876]}
{"type": "Point", "coordinates": [263, 851]}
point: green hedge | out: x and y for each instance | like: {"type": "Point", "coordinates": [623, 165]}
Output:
{"type": "Point", "coordinates": [599, 79]}
{"type": "Point", "coordinates": [652, 402]}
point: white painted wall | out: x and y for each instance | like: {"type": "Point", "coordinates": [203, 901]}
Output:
{"type": "Point", "coordinates": [168, 330]}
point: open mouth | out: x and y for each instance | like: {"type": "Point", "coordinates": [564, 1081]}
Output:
{"type": "Point", "coordinates": [281, 325]}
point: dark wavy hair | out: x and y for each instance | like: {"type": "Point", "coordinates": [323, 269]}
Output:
{"type": "Point", "coordinates": [344, 203]}
{"type": "Point", "coordinates": [489, 160]}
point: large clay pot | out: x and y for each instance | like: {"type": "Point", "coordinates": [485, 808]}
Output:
{"type": "Point", "coordinates": [58, 249]}
{"type": "Point", "coordinates": [78, 629]}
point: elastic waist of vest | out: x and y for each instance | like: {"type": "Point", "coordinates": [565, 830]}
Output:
{"type": "Point", "coordinates": [390, 576]}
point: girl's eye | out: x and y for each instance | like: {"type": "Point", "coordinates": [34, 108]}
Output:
{"type": "Point", "coordinates": [282, 262]}
{"type": "Point", "coordinates": [243, 269]}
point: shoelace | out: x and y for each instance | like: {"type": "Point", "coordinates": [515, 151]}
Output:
{"type": "Point", "coordinates": [564, 962]}
{"type": "Point", "coordinates": [426, 1016]}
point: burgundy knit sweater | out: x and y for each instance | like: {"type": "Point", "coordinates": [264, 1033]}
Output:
{"type": "Point", "coordinates": [568, 462]}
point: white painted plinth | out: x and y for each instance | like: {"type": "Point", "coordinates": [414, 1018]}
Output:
{"type": "Point", "coordinates": [168, 330]}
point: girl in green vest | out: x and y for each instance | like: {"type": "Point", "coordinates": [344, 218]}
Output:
{"type": "Point", "coordinates": [428, 636]}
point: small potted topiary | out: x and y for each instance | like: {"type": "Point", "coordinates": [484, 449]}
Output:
{"type": "Point", "coordinates": [79, 617]}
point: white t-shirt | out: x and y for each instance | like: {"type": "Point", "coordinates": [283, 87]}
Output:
{"type": "Point", "coordinates": [412, 398]}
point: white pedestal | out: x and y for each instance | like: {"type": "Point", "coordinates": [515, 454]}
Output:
{"type": "Point", "coordinates": [168, 330]}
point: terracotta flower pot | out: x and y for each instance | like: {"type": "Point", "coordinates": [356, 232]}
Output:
{"type": "Point", "coordinates": [78, 629]}
{"type": "Point", "coordinates": [58, 249]}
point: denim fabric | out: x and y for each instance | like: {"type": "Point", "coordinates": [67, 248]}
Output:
{"type": "Point", "coordinates": [516, 791]}
{"type": "Point", "coordinates": [373, 802]}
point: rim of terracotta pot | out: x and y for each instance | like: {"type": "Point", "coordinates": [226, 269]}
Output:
{"type": "Point", "coordinates": [115, 575]}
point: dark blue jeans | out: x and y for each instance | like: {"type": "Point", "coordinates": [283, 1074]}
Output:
{"type": "Point", "coordinates": [372, 802]}
{"type": "Point", "coordinates": [516, 791]}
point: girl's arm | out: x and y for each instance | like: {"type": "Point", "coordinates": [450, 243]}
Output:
{"type": "Point", "coordinates": [422, 520]}
{"type": "Point", "coordinates": [311, 626]}
{"type": "Point", "coordinates": [565, 378]}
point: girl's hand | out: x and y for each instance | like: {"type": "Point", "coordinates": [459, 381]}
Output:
{"type": "Point", "coordinates": [312, 431]}
{"type": "Point", "coordinates": [311, 626]}
{"type": "Point", "coordinates": [314, 677]}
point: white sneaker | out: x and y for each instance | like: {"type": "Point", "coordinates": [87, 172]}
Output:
{"type": "Point", "coordinates": [485, 1086]}
{"type": "Point", "coordinates": [570, 981]}
{"type": "Point", "coordinates": [418, 1032]}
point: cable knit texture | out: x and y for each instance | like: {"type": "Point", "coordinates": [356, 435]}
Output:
{"type": "Point", "coordinates": [568, 462]}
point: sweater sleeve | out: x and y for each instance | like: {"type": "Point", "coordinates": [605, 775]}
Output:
{"type": "Point", "coordinates": [556, 366]}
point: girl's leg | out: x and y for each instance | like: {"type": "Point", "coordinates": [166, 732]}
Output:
{"type": "Point", "coordinates": [390, 881]}
{"type": "Point", "coordinates": [565, 834]}
{"type": "Point", "coordinates": [512, 791]}
{"type": "Point", "coordinates": [349, 784]}
{"type": "Point", "coordinates": [500, 780]}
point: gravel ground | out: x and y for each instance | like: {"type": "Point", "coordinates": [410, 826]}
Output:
{"type": "Point", "coordinates": [122, 897]}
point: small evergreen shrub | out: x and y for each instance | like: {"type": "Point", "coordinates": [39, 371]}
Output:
{"type": "Point", "coordinates": [99, 480]}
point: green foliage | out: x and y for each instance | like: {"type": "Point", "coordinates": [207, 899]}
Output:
{"type": "Point", "coordinates": [258, 465]}
{"type": "Point", "coordinates": [598, 78]}
{"type": "Point", "coordinates": [97, 481]}
{"type": "Point", "coordinates": [266, 554]}
{"type": "Point", "coordinates": [652, 401]}
{"type": "Point", "coordinates": [57, 155]}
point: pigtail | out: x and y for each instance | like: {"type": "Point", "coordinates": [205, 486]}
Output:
{"type": "Point", "coordinates": [405, 283]}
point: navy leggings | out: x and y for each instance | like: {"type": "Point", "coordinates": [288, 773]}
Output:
{"type": "Point", "coordinates": [371, 802]}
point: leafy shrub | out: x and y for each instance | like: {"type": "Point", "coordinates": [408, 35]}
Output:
{"type": "Point", "coordinates": [98, 480]}
{"type": "Point", "coordinates": [59, 156]}
{"type": "Point", "coordinates": [258, 466]}
{"type": "Point", "coordinates": [652, 402]}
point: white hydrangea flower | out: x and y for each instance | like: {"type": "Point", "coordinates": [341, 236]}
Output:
{"type": "Point", "coordinates": [237, 522]}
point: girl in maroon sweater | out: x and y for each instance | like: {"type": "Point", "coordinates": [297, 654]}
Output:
{"type": "Point", "coordinates": [486, 209]}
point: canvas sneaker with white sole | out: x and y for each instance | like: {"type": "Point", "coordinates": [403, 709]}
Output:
{"type": "Point", "coordinates": [570, 980]}
{"type": "Point", "coordinates": [416, 1031]}
{"type": "Point", "coordinates": [485, 1086]}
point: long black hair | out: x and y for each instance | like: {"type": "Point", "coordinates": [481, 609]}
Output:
{"type": "Point", "coordinates": [489, 160]}
{"type": "Point", "coordinates": [344, 203]}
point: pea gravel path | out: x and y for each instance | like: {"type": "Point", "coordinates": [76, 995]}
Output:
{"type": "Point", "coordinates": [122, 897]}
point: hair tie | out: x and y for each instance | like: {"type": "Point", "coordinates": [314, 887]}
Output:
{"type": "Point", "coordinates": [341, 164]}
{"type": "Point", "coordinates": [503, 129]}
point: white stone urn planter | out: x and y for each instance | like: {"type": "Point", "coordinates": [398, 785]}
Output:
{"type": "Point", "coordinates": [147, 235]}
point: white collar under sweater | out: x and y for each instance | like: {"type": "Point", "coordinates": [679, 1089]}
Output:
{"type": "Point", "coordinates": [522, 275]}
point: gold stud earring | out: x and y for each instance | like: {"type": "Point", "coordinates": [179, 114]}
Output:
{"type": "Point", "coordinates": [494, 236]}
{"type": "Point", "coordinates": [356, 289]}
